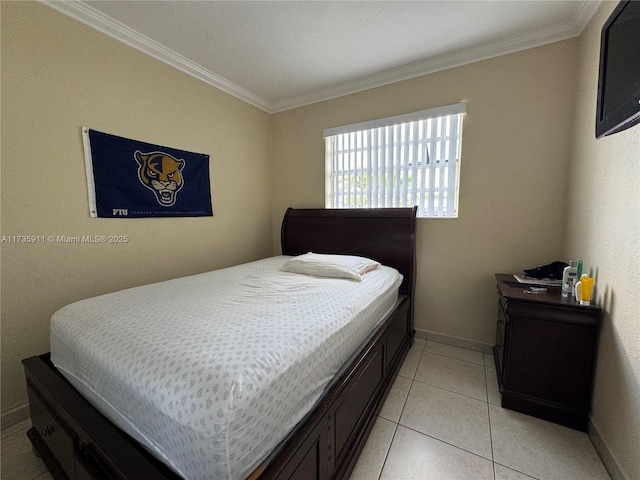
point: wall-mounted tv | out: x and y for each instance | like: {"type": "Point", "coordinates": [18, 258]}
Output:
{"type": "Point", "coordinates": [619, 78]}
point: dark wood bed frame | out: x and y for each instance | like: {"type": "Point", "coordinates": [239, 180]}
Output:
{"type": "Point", "coordinates": [76, 442]}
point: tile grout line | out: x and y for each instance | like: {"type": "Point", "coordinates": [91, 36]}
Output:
{"type": "Point", "coordinates": [455, 358]}
{"type": "Point", "coordinates": [491, 440]}
{"type": "Point", "coordinates": [522, 473]}
{"type": "Point", "coordinates": [450, 357]}
{"type": "Point", "coordinates": [386, 455]}
{"type": "Point", "coordinates": [413, 380]}
{"type": "Point", "coordinates": [446, 443]}
{"type": "Point", "coordinates": [395, 430]}
{"type": "Point", "coordinates": [493, 459]}
{"type": "Point", "coordinates": [451, 391]}
{"type": "Point", "coordinates": [22, 430]}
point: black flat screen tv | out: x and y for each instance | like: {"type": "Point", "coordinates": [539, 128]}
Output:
{"type": "Point", "coordinates": [618, 105]}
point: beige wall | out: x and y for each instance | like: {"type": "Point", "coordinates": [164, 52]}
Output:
{"type": "Point", "coordinates": [58, 75]}
{"type": "Point", "coordinates": [603, 229]}
{"type": "Point", "coordinates": [535, 187]}
{"type": "Point", "coordinates": [515, 153]}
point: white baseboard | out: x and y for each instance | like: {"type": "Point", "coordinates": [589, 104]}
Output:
{"type": "Point", "coordinates": [454, 341]}
{"type": "Point", "coordinates": [13, 416]}
{"type": "Point", "coordinates": [608, 460]}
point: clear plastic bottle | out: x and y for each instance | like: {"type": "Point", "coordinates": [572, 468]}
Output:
{"type": "Point", "coordinates": [569, 278]}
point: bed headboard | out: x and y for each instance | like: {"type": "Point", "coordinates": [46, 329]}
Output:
{"type": "Point", "coordinates": [383, 234]}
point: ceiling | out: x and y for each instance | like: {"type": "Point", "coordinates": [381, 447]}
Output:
{"type": "Point", "coordinates": [279, 55]}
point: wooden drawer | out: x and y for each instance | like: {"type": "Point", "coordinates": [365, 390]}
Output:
{"type": "Point", "coordinates": [308, 469]}
{"type": "Point", "coordinates": [353, 409]}
{"type": "Point", "coordinates": [52, 431]}
{"type": "Point", "coordinates": [88, 469]}
{"type": "Point", "coordinates": [397, 334]}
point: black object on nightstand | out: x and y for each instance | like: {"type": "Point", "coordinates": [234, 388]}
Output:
{"type": "Point", "coordinates": [545, 353]}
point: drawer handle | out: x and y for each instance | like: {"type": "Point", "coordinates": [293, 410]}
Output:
{"type": "Point", "coordinates": [47, 430]}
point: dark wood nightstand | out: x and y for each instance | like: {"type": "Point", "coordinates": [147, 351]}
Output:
{"type": "Point", "coordinates": [545, 353]}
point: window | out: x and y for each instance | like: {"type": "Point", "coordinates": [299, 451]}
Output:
{"type": "Point", "coordinates": [401, 161]}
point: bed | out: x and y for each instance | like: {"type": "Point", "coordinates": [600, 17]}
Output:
{"type": "Point", "coordinates": [79, 438]}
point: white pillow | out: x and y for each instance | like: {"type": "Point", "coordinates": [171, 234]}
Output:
{"type": "Point", "coordinates": [335, 266]}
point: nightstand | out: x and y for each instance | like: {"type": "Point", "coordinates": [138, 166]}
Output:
{"type": "Point", "coordinates": [545, 353]}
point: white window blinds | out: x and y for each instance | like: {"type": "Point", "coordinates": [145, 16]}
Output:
{"type": "Point", "coordinates": [401, 161]}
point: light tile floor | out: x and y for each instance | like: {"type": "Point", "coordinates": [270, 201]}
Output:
{"type": "Point", "coordinates": [18, 460]}
{"type": "Point", "coordinates": [442, 420]}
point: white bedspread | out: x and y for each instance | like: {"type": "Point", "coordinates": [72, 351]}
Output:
{"type": "Point", "coordinates": [210, 372]}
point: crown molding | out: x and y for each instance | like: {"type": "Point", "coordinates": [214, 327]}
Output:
{"type": "Point", "coordinates": [448, 61]}
{"type": "Point", "coordinates": [586, 13]}
{"type": "Point", "coordinates": [88, 15]}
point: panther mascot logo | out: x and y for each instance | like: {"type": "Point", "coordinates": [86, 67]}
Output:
{"type": "Point", "coordinates": [160, 173]}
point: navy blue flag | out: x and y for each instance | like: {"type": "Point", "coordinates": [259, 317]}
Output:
{"type": "Point", "coordinates": [131, 179]}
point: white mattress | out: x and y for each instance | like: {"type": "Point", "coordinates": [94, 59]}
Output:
{"type": "Point", "coordinates": [210, 372]}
